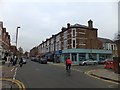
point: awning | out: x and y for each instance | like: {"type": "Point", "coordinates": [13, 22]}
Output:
{"type": "Point", "coordinates": [58, 52]}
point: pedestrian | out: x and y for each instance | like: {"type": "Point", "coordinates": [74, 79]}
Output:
{"type": "Point", "coordinates": [5, 58]}
{"type": "Point", "coordinates": [14, 60]}
{"type": "Point", "coordinates": [21, 62]}
{"type": "Point", "coordinates": [10, 61]}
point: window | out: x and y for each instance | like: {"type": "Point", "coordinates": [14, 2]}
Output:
{"type": "Point", "coordinates": [112, 47]}
{"type": "Point", "coordinates": [65, 44]}
{"type": "Point", "coordinates": [74, 44]}
{"type": "Point", "coordinates": [65, 35]}
{"type": "Point", "coordinates": [82, 33]}
{"type": "Point", "coordinates": [81, 57]}
{"type": "Point", "coordinates": [82, 42]}
{"type": "Point", "coordinates": [73, 32]}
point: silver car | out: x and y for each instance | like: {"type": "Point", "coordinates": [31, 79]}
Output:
{"type": "Point", "coordinates": [88, 62]}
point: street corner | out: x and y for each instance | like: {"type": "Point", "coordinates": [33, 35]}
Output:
{"type": "Point", "coordinates": [10, 83]}
{"type": "Point", "coordinates": [101, 75]}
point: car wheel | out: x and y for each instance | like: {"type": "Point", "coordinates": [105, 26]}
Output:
{"type": "Point", "coordinates": [85, 64]}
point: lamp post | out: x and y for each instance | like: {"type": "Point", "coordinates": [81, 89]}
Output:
{"type": "Point", "coordinates": [17, 35]}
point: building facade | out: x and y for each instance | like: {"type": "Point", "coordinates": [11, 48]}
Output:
{"type": "Point", "coordinates": [109, 45]}
{"type": "Point", "coordinates": [75, 41]}
{"type": "Point", "coordinates": [34, 51]}
{"type": "Point", "coordinates": [4, 41]}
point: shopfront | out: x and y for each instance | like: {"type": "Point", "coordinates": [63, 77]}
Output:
{"type": "Point", "coordinates": [77, 55]}
{"type": "Point", "coordinates": [57, 56]}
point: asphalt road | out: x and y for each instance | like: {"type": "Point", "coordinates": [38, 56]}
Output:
{"type": "Point", "coordinates": [35, 75]}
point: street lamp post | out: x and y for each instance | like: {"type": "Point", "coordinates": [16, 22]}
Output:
{"type": "Point", "coordinates": [17, 35]}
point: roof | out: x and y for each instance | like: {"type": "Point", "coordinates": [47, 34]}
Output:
{"type": "Point", "coordinates": [80, 26]}
{"type": "Point", "coordinates": [105, 40]}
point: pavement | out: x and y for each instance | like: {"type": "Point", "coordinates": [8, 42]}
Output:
{"type": "Point", "coordinates": [8, 73]}
{"type": "Point", "coordinates": [7, 80]}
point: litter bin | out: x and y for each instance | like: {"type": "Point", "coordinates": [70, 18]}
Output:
{"type": "Point", "coordinates": [116, 64]}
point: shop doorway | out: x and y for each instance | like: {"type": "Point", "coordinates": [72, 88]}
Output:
{"type": "Point", "coordinates": [74, 57]}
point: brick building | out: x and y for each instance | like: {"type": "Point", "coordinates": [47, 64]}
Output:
{"type": "Point", "coordinates": [4, 41]}
{"type": "Point", "coordinates": [34, 51]}
{"type": "Point", "coordinates": [109, 45]}
{"type": "Point", "coordinates": [75, 41]}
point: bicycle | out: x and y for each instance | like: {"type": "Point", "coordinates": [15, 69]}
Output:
{"type": "Point", "coordinates": [68, 71]}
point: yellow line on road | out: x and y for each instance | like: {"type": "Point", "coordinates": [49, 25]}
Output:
{"type": "Point", "coordinates": [20, 84]}
{"type": "Point", "coordinates": [88, 73]}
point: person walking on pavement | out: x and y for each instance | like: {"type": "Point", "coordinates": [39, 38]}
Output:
{"type": "Point", "coordinates": [10, 61]}
{"type": "Point", "coordinates": [21, 62]}
{"type": "Point", "coordinates": [15, 60]}
{"type": "Point", "coordinates": [5, 58]}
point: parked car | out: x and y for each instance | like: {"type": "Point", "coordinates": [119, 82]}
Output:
{"type": "Point", "coordinates": [43, 61]}
{"type": "Point", "coordinates": [108, 59]}
{"type": "Point", "coordinates": [24, 61]}
{"type": "Point", "coordinates": [88, 62]}
{"type": "Point", "coordinates": [33, 58]}
{"type": "Point", "coordinates": [101, 61]}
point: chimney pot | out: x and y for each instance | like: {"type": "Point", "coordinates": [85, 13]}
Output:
{"type": "Point", "coordinates": [68, 25]}
{"type": "Point", "coordinates": [90, 23]}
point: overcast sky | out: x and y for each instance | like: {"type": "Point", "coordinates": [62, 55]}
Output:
{"type": "Point", "coordinates": [40, 19]}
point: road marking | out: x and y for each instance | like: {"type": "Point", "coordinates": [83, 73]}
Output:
{"type": "Point", "coordinates": [88, 73]}
{"type": "Point", "coordinates": [77, 70]}
{"type": "Point", "coordinates": [15, 73]}
{"type": "Point", "coordinates": [20, 84]}
{"type": "Point", "coordinates": [12, 69]}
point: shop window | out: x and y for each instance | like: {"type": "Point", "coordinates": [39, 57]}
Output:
{"type": "Point", "coordinates": [81, 57]}
{"type": "Point", "coordinates": [93, 56]}
{"type": "Point", "coordinates": [67, 55]}
{"type": "Point", "coordinates": [74, 57]}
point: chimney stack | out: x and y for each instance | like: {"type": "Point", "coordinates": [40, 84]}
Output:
{"type": "Point", "coordinates": [1, 24]}
{"type": "Point", "coordinates": [90, 23]}
{"type": "Point", "coordinates": [68, 25]}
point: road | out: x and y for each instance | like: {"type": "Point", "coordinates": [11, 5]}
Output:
{"type": "Point", "coordinates": [35, 75]}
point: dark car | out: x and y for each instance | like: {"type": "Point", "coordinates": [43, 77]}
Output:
{"type": "Point", "coordinates": [43, 61]}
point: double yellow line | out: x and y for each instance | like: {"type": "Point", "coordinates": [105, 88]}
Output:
{"type": "Point", "coordinates": [20, 84]}
{"type": "Point", "coordinates": [89, 74]}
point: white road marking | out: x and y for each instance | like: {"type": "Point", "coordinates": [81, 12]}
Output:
{"type": "Point", "coordinates": [78, 70]}
{"type": "Point", "coordinates": [12, 69]}
{"type": "Point", "coordinates": [15, 73]}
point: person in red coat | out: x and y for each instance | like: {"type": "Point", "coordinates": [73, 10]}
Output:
{"type": "Point", "coordinates": [68, 63]}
